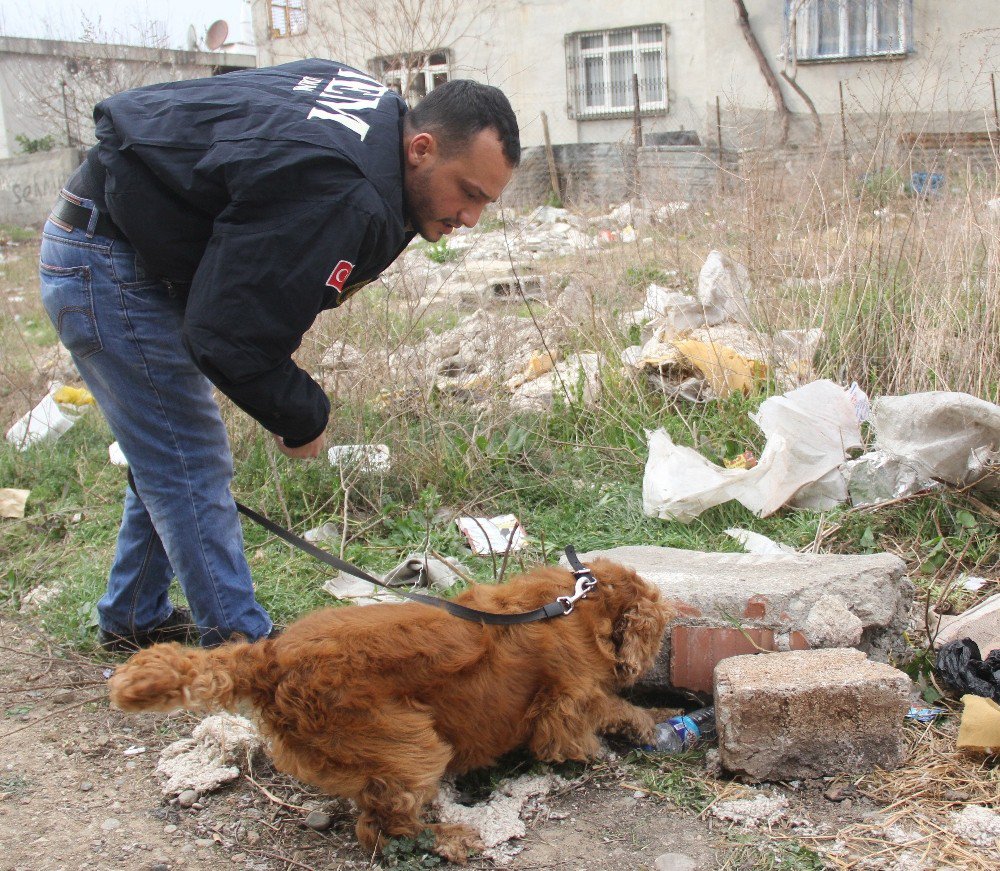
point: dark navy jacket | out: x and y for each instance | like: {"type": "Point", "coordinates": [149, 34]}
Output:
{"type": "Point", "coordinates": [273, 193]}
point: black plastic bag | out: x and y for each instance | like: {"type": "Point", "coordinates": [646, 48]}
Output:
{"type": "Point", "coordinates": [960, 666]}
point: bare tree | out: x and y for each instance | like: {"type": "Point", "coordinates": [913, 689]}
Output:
{"type": "Point", "coordinates": [402, 42]}
{"type": "Point", "coordinates": [59, 91]}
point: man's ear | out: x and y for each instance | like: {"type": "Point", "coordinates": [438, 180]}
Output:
{"type": "Point", "coordinates": [420, 147]}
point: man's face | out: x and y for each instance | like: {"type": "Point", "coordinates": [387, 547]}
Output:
{"type": "Point", "coordinates": [447, 192]}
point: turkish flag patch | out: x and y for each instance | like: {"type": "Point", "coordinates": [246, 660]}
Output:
{"type": "Point", "coordinates": [339, 275]}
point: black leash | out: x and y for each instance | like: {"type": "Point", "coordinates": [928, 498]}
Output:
{"type": "Point", "coordinates": [585, 581]}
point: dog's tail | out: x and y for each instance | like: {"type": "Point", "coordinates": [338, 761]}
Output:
{"type": "Point", "coordinates": [166, 677]}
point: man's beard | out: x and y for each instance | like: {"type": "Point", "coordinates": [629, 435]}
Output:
{"type": "Point", "coordinates": [418, 208]}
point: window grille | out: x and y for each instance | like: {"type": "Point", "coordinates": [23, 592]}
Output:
{"type": "Point", "coordinates": [288, 18]}
{"type": "Point", "coordinates": [846, 29]}
{"type": "Point", "coordinates": [413, 74]}
{"type": "Point", "coordinates": [600, 65]}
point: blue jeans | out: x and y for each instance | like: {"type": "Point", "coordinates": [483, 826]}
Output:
{"type": "Point", "coordinates": [124, 333]}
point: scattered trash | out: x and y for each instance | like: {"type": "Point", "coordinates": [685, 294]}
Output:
{"type": "Point", "coordinates": [211, 756]}
{"type": "Point", "coordinates": [980, 623]}
{"type": "Point", "coordinates": [363, 458]}
{"type": "Point", "coordinates": [417, 570]}
{"type": "Point", "coordinates": [754, 542]}
{"type": "Point", "coordinates": [926, 184]}
{"type": "Point", "coordinates": [12, 502]}
{"type": "Point", "coordinates": [746, 460]}
{"type": "Point", "coordinates": [134, 751]}
{"type": "Point", "coordinates": [356, 590]}
{"type": "Point", "coordinates": [575, 380]}
{"type": "Point", "coordinates": [949, 437]}
{"type": "Point", "coordinates": [422, 570]}
{"type": "Point", "coordinates": [328, 531]}
{"type": "Point", "coordinates": [50, 418]}
{"type": "Point", "coordinates": [78, 396]}
{"type": "Point", "coordinates": [961, 667]}
{"type": "Point", "coordinates": [683, 732]}
{"type": "Point", "coordinates": [977, 825]}
{"type": "Point", "coordinates": [972, 584]}
{"type": "Point", "coordinates": [808, 432]}
{"type": "Point", "coordinates": [762, 810]}
{"type": "Point", "coordinates": [725, 370]}
{"type": "Point", "coordinates": [979, 728]}
{"type": "Point", "coordinates": [116, 455]}
{"type": "Point", "coordinates": [537, 365]}
{"type": "Point", "coordinates": [500, 819]}
{"type": "Point", "coordinates": [492, 535]}
{"type": "Point", "coordinates": [859, 399]}
{"type": "Point", "coordinates": [877, 477]}
{"type": "Point", "coordinates": [925, 715]}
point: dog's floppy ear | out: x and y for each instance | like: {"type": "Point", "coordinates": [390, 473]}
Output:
{"type": "Point", "coordinates": [638, 618]}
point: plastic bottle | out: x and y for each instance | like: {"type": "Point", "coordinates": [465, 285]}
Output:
{"type": "Point", "coordinates": [681, 733]}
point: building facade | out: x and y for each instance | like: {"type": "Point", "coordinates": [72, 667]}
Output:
{"type": "Point", "coordinates": [925, 62]}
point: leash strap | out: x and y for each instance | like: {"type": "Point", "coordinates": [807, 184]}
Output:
{"type": "Point", "coordinates": [585, 581]}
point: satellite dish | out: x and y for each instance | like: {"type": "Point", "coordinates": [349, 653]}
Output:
{"type": "Point", "coordinates": [217, 34]}
{"type": "Point", "coordinates": [192, 38]}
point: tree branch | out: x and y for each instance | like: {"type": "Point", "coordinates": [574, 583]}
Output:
{"type": "Point", "coordinates": [765, 69]}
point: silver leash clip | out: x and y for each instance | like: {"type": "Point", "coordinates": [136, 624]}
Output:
{"type": "Point", "coordinates": [585, 582]}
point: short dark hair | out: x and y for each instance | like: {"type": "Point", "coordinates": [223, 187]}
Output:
{"type": "Point", "coordinates": [457, 110]}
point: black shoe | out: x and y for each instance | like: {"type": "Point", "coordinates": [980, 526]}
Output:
{"type": "Point", "coordinates": [179, 626]}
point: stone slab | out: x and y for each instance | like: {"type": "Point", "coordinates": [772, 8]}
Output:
{"type": "Point", "coordinates": [733, 603]}
{"type": "Point", "coordinates": [805, 714]}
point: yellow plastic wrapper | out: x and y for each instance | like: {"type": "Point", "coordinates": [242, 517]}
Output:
{"type": "Point", "coordinates": [746, 460]}
{"type": "Point", "coordinates": [979, 729]}
{"type": "Point", "coordinates": [537, 365]}
{"type": "Point", "coordinates": [73, 396]}
{"type": "Point", "coordinates": [724, 369]}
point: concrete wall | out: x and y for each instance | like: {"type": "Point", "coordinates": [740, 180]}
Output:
{"type": "Point", "coordinates": [29, 184]}
{"type": "Point", "coordinates": [943, 84]}
{"type": "Point", "coordinates": [518, 45]}
{"type": "Point", "coordinates": [49, 87]}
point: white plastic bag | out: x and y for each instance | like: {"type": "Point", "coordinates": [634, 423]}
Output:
{"type": "Point", "coordinates": [809, 431]}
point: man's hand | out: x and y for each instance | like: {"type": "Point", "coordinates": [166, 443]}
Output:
{"type": "Point", "coordinates": [306, 452]}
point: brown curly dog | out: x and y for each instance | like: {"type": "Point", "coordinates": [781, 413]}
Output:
{"type": "Point", "coordinates": [376, 704]}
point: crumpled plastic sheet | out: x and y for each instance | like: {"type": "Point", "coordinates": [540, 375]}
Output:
{"type": "Point", "coordinates": [960, 666]}
{"type": "Point", "coordinates": [951, 437]}
{"type": "Point", "coordinates": [809, 431]}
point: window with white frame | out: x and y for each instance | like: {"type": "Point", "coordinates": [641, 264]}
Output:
{"type": "Point", "coordinates": [847, 29]}
{"type": "Point", "coordinates": [600, 65]}
{"type": "Point", "coordinates": [413, 74]}
{"type": "Point", "coordinates": [288, 18]}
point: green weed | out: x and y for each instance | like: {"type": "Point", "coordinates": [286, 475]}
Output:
{"type": "Point", "coordinates": [411, 854]}
{"type": "Point", "coordinates": [750, 853]}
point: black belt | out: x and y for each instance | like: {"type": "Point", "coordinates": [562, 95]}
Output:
{"type": "Point", "coordinates": [69, 211]}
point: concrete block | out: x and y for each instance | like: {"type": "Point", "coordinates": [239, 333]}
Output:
{"type": "Point", "coordinates": [735, 603]}
{"type": "Point", "coordinates": [809, 713]}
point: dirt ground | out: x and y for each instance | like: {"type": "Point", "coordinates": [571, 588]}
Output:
{"type": "Point", "coordinates": [78, 790]}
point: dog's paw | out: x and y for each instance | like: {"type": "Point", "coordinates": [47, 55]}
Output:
{"type": "Point", "coordinates": [455, 842]}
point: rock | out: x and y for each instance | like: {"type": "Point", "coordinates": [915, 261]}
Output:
{"type": "Point", "coordinates": [86, 786]}
{"type": "Point", "coordinates": [772, 598]}
{"type": "Point", "coordinates": [110, 824]}
{"type": "Point", "coordinates": [319, 820]}
{"type": "Point", "coordinates": [675, 862]}
{"type": "Point", "coordinates": [159, 866]}
{"type": "Point", "coordinates": [187, 798]}
{"type": "Point", "coordinates": [807, 714]}
{"type": "Point", "coordinates": [760, 810]}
